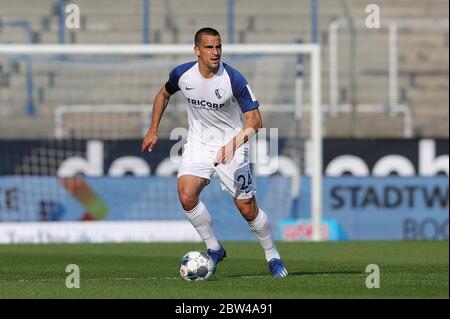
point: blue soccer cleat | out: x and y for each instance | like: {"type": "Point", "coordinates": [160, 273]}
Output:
{"type": "Point", "coordinates": [217, 255]}
{"type": "Point", "coordinates": [277, 268]}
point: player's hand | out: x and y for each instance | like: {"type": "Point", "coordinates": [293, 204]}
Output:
{"type": "Point", "coordinates": [225, 155]}
{"type": "Point", "coordinates": [149, 142]}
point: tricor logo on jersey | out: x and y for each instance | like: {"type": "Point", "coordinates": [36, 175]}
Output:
{"type": "Point", "coordinates": [204, 103]}
{"type": "Point", "coordinates": [219, 93]}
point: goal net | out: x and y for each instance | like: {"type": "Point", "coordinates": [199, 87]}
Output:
{"type": "Point", "coordinates": [72, 121]}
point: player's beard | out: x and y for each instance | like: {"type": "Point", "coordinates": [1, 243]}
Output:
{"type": "Point", "coordinates": [214, 65]}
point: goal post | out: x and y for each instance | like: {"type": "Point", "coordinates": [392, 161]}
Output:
{"type": "Point", "coordinates": [311, 50]}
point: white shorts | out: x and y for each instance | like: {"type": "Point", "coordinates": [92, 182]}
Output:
{"type": "Point", "coordinates": [235, 177]}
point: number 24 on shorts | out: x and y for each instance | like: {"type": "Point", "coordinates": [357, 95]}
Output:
{"type": "Point", "coordinates": [245, 182]}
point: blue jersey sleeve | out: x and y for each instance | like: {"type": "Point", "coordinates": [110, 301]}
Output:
{"type": "Point", "coordinates": [241, 90]}
{"type": "Point", "coordinates": [175, 75]}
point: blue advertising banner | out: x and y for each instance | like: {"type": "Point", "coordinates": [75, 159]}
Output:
{"type": "Point", "coordinates": [353, 208]}
{"type": "Point", "coordinates": [381, 208]}
{"type": "Point", "coordinates": [35, 198]}
{"type": "Point", "coordinates": [389, 207]}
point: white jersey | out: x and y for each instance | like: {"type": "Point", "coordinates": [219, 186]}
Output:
{"type": "Point", "coordinates": [214, 106]}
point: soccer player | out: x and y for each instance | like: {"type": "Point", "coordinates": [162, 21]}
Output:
{"type": "Point", "coordinates": [223, 115]}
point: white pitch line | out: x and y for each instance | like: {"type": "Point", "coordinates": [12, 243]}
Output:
{"type": "Point", "coordinates": [133, 278]}
{"type": "Point", "coordinates": [90, 279]}
{"type": "Point", "coordinates": [255, 276]}
{"type": "Point", "coordinates": [118, 279]}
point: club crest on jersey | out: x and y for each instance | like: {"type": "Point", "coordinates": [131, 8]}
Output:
{"type": "Point", "coordinates": [219, 93]}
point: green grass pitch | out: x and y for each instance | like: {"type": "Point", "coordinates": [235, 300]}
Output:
{"type": "Point", "coordinates": [408, 269]}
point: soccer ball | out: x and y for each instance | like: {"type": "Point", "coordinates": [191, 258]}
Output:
{"type": "Point", "coordinates": [196, 265]}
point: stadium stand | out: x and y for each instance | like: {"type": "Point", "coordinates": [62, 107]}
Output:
{"type": "Point", "coordinates": [423, 58]}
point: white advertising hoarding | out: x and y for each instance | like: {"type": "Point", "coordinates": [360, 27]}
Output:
{"type": "Point", "coordinates": [97, 232]}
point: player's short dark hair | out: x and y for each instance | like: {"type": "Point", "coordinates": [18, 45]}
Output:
{"type": "Point", "coordinates": [204, 31]}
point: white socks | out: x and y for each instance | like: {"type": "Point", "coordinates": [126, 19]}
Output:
{"type": "Point", "coordinates": [201, 220]}
{"type": "Point", "coordinates": [260, 226]}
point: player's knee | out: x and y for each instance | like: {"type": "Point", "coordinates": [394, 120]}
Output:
{"type": "Point", "coordinates": [249, 211]}
{"type": "Point", "coordinates": [188, 201]}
